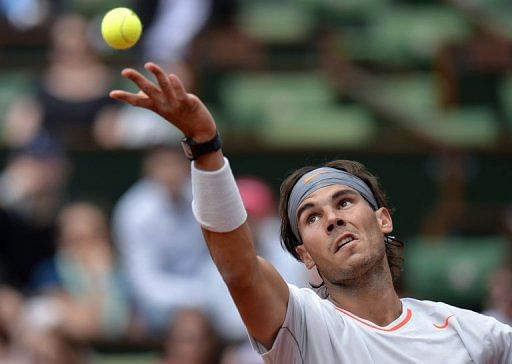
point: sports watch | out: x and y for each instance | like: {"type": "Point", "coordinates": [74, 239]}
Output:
{"type": "Point", "coordinates": [194, 150]}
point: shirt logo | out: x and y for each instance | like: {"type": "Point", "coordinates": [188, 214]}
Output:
{"type": "Point", "coordinates": [309, 178]}
{"type": "Point", "coordinates": [444, 325]}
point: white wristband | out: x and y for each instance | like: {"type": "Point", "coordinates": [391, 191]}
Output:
{"type": "Point", "coordinates": [217, 204]}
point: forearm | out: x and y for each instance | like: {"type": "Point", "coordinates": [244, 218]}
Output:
{"type": "Point", "coordinates": [218, 207]}
{"type": "Point", "coordinates": [234, 255]}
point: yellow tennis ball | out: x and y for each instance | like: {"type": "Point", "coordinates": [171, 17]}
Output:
{"type": "Point", "coordinates": [121, 28]}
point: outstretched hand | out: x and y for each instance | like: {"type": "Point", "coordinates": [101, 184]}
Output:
{"type": "Point", "coordinates": [168, 98]}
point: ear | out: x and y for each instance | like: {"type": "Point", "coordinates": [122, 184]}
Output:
{"type": "Point", "coordinates": [384, 219]}
{"type": "Point", "coordinates": [305, 257]}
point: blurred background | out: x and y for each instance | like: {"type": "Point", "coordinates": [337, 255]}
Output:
{"type": "Point", "coordinates": [100, 258]}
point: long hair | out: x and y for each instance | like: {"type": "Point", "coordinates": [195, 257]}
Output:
{"type": "Point", "coordinates": [394, 247]}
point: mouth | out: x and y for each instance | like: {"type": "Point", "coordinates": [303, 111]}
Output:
{"type": "Point", "coordinates": [343, 240]}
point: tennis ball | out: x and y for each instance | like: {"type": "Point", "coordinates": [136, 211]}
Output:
{"type": "Point", "coordinates": [121, 28]}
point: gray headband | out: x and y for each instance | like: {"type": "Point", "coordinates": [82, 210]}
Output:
{"type": "Point", "coordinates": [319, 178]}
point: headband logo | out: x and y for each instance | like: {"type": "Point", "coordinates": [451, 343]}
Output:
{"type": "Point", "coordinates": [310, 178]}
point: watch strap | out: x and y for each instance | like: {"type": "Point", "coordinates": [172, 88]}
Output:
{"type": "Point", "coordinates": [194, 150]}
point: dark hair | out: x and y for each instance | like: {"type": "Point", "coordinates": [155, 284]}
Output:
{"type": "Point", "coordinates": [394, 247]}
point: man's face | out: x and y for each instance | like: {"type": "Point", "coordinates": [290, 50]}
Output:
{"type": "Point", "coordinates": [341, 234]}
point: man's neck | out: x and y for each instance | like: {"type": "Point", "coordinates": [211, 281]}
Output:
{"type": "Point", "coordinates": [374, 300]}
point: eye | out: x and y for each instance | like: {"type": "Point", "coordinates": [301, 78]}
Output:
{"type": "Point", "coordinates": [312, 218]}
{"type": "Point", "coordinates": [344, 203]}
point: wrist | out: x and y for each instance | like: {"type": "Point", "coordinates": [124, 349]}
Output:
{"type": "Point", "coordinates": [202, 137]}
{"type": "Point", "coordinates": [196, 148]}
{"type": "Point", "coordinates": [213, 192]}
{"type": "Point", "coordinates": [210, 161]}
{"type": "Point", "coordinates": [202, 134]}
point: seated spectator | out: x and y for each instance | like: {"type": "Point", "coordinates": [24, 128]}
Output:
{"type": "Point", "coordinates": [32, 189]}
{"type": "Point", "coordinates": [81, 282]}
{"type": "Point", "coordinates": [191, 339]}
{"type": "Point", "coordinates": [162, 249]}
{"type": "Point", "coordinates": [29, 335]}
{"type": "Point", "coordinates": [34, 345]}
{"type": "Point", "coordinates": [25, 15]}
{"type": "Point", "coordinates": [11, 303]}
{"type": "Point", "coordinates": [71, 100]}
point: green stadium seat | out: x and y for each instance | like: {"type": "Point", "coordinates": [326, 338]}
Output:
{"type": "Point", "coordinates": [275, 21]}
{"type": "Point", "coordinates": [492, 2]}
{"type": "Point", "coordinates": [13, 84]}
{"type": "Point", "coordinates": [345, 13]}
{"type": "Point", "coordinates": [452, 270]}
{"type": "Point", "coordinates": [506, 94]}
{"type": "Point", "coordinates": [415, 91]}
{"type": "Point", "coordinates": [246, 97]}
{"type": "Point", "coordinates": [414, 95]}
{"type": "Point", "coordinates": [293, 110]}
{"type": "Point", "coordinates": [499, 10]}
{"type": "Point", "coordinates": [496, 13]}
{"type": "Point", "coordinates": [466, 127]}
{"type": "Point", "coordinates": [409, 35]}
{"type": "Point", "coordinates": [329, 127]}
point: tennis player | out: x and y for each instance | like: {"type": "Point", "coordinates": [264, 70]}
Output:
{"type": "Point", "coordinates": [335, 219]}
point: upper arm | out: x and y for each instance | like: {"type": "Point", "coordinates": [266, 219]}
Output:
{"type": "Point", "coordinates": [259, 292]}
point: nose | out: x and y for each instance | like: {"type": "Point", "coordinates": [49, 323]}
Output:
{"type": "Point", "coordinates": [334, 223]}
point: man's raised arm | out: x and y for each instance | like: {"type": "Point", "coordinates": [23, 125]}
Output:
{"type": "Point", "coordinates": [258, 290]}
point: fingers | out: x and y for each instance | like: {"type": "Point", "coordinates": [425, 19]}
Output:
{"type": "Point", "coordinates": [167, 95]}
{"type": "Point", "coordinates": [142, 82]}
{"type": "Point", "coordinates": [140, 99]}
{"type": "Point", "coordinates": [162, 79]}
{"type": "Point", "coordinates": [178, 88]}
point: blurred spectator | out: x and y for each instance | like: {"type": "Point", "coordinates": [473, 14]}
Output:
{"type": "Point", "coordinates": [82, 280]}
{"type": "Point", "coordinates": [170, 26]}
{"type": "Point", "coordinates": [32, 189]}
{"type": "Point", "coordinates": [29, 335]}
{"type": "Point", "coordinates": [162, 249]}
{"type": "Point", "coordinates": [27, 14]}
{"type": "Point", "coordinates": [71, 102]}
{"type": "Point", "coordinates": [191, 339]}
{"type": "Point", "coordinates": [260, 203]}
{"type": "Point", "coordinates": [499, 301]}
{"type": "Point", "coordinates": [34, 345]}
{"type": "Point", "coordinates": [11, 303]}
{"type": "Point", "coordinates": [224, 45]}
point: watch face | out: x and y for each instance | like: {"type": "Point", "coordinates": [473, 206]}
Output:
{"type": "Point", "coordinates": [187, 150]}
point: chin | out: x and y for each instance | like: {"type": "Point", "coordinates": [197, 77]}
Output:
{"type": "Point", "coordinates": [356, 267]}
